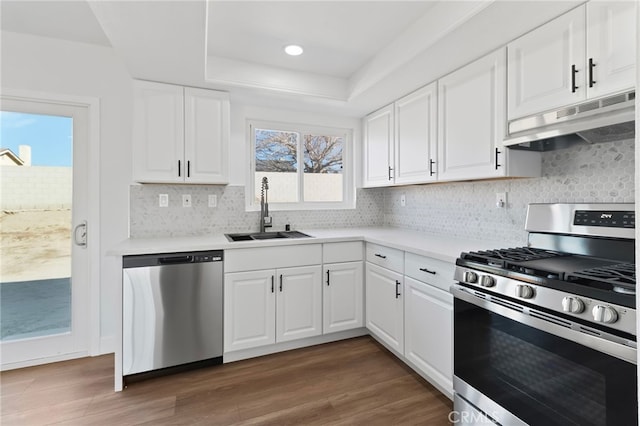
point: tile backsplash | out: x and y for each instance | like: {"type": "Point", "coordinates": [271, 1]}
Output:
{"type": "Point", "coordinates": [147, 219]}
{"type": "Point", "coordinates": [589, 173]}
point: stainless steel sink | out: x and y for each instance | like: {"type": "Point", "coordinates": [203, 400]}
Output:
{"type": "Point", "coordinates": [266, 235]}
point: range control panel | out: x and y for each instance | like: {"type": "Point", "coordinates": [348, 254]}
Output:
{"type": "Point", "coordinates": [611, 219]}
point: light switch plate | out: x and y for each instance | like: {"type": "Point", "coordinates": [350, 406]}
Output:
{"type": "Point", "coordinates": [163, 200]}
{"type": "Point", "coordinates": [186, 200]}
{"type": "Point", "coordinates": [501, 200]}
{"type": "Point", "coordinates": [213, 200]}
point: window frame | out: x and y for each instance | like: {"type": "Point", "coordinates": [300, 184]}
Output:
{"type": "Point", "coordinates": [348, 167]}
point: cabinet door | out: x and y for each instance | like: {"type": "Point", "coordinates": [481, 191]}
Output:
{"type": "Point", "coordinates": [206, 136]}
{"type": "Point", "coordinates": [611, 47]}
{"type": "Point", "coordinates": [343, 296]}
{"type": "Point", "coordinates": [428, 337]}
{"type": "Point", "coordinates": [249, 309]}
{"type": "Point", "coordinates": [299, 303]}
{"type": "Point", "coordinates": [415, 136]}
{"type": "Point", "coordinates": [158, 132]}
{"type": "Point", "coordinates": [384, 305]}
{"type": "Point", "coordinates": [471, 120]}
{"type": "Point", "coordinates": [378, 148]}
{"type": "Point", "coordinates": [541, 65]}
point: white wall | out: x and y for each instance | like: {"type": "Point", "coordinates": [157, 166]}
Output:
{"type": "Point", "coordinates": [76, 69]}
{"type": "Point", "coordinates": [35, 188]}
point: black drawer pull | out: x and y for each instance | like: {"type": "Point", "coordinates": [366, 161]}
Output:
{"type": "Point", "coordinates": [272, 282]}
{"type": "Point", "coordinates": [281, 283]}
{"type": "Point", "coordinates": [390, 177]}
{"type": "Point", "coordinates": [380, 256]}
{"type": "Point", "coordinates": [428, 271]}
{"type": "Point", "coordinates": [397, 289]}
{"type": "Point", "coordinates": [431, 163]}
{"type": "Point", "coordinates": [179, 168]}
{"type": "Point", "coordinates": [574, 71]}
{"type": "Point", "coordinates": [327, 277]}
{"type": "Point", "coordinates": [498, 152]}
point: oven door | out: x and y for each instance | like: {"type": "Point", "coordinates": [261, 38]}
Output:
{"type": "Point", "coordinates": [516, 368]}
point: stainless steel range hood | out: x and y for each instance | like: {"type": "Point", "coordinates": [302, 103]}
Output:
{"type": "Point", "coordinates": [603, 120]}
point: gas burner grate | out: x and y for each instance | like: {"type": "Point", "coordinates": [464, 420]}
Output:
{"type": "Point", "coordinates": [621, 276]}
{"type": "Point", "coordinates": [501, 257]}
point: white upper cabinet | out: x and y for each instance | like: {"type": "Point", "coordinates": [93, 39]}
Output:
{"type": "Point", "coordinates": [158, 132]}
{"type": "Point", "coordinates": [586, 53]}
{"type": "Point", "coordinates": [611, 46]}
{"type": "Point", "coordinates": [378, 148]}
{"type": "Point", "coordinates": [415, 137]}
{"type": "Point", "coordinates": [181, 135]}
{"type": "Point", "coordinates": [546, 66]}
{"type": "Point", "coordinates": [471, 120]}
{"type": "Point", "coordinates": [206, 135]}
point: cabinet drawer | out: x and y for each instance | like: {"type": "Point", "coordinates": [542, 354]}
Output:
{"type": "Point", "coordinates": [386, 257]}
{"type": "Point", "coordinates": [428, 270]}
{"type": "Point", "coordinates": [255, 258]}
{"type": "Point", "coordinates": [342, 252]}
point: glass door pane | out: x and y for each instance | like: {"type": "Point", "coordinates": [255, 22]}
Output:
{"type": "Point", "coordinates": [35, 225]}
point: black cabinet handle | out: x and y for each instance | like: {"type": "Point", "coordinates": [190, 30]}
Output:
{"type": "Point", "coordinates": [390, 173]}
{"type": "Point", "coordinates": [380, 256]}
{"type": "Point", "coordinates": [188, 168]}
{"type": "Point", "coordinates": [428, 271]}
{"type": "Point", "coordinates": [272, 282]}
{"type": "Point", "coordinates": [397, 289]}
{"type": "Point", "coordinates": [591, 65]}
{"type": "Point", "coordinates": [327, 277]}
{"type": "Point", "coordinates": [431, 163]}
{"type": "Point", "coordinates": [281, 283]}
{"type": "Point", "coordinates": [498, 152]}
{"type": "Point", "coordinates": [574, 71]}
{"type": "Point", "coordinates": [179, 168]}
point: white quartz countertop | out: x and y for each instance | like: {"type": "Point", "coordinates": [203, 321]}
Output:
{"type": "Point", "coordinates": [438, 247]}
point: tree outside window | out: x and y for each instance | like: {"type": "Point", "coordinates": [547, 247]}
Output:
{"type": "Point", "coordinates": [301, 166]}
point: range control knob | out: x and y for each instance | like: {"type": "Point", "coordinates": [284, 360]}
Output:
{"type": "Point", "coordinates": [487, 281]}
{"type": "Point", "coordinates": [604, 314]}
{"type": "Point", "coordinates": [572, 305]}
{"type": "Point", "coordinates": [470, 277]}
{"type": "Point", "coordinates": [524, 291]}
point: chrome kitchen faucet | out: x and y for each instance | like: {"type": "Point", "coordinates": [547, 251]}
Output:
{"type": "Point", "coordinates": [265, 219]}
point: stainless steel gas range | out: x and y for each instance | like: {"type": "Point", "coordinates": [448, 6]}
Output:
{"type": "Point", "coordinates": [546, 334]}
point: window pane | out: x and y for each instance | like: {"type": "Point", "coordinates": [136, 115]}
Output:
{"type": "Point", "coordinates": [323, 168]}
{"type": "Point", "coordinates": [277, 160]}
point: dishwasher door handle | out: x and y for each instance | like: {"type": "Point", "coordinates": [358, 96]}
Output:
{"type": "Point", "coordinates": [175, 259]}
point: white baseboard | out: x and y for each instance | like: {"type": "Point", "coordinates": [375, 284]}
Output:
{"type": "Point", "coordinates": [107, 345]}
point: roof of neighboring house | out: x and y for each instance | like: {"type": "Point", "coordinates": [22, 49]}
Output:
{"type": "Point", "coordinates": [11, 155]}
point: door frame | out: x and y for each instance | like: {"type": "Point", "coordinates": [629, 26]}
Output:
{"type": "Point", "coordinates": [92, 104]}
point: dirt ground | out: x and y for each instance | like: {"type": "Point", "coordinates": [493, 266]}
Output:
{"type": "Point", "coordinates": [35, 245]}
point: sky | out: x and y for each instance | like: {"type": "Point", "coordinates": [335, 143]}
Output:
{"type": "Point", "coordinates": [50, 137]}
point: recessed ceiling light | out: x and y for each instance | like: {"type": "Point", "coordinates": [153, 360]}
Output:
{"type": "Point", "coordinates": [293, 50]}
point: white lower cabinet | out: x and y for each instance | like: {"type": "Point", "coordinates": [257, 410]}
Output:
{"type": "Point", "coordinates": [428, 316]}
{"type": "Point", "coordinates": [385, 305]}
{"type": "Point", "coordinates": [269, 306]}
{"type": "Point", "coordinates": [342, 294]}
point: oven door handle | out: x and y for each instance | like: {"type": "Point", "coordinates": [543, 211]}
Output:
{"type": "Point", "coordinates": [607, 343]}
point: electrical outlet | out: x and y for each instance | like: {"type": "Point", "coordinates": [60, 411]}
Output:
{"type": "Point", "coordinates": [163, 200]}
{"type": "Point", "coordinates": [186, 200]}
{"type": "Point", "coordinates": [213, 200]}
{"type": "Point", "coordinates": [501, 200]}
{"type": "Point", "coordinates": [403, 200]}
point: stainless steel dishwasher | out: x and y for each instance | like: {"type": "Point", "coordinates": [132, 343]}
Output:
{"type": "Point", "coordinates": [172, 310]}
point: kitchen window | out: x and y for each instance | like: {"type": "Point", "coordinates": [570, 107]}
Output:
{"type": "Point", "coordinates": [307, 167]}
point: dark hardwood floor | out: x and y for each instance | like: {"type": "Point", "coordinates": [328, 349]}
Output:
{"type": "Point", "coordinates": [352, 382]}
